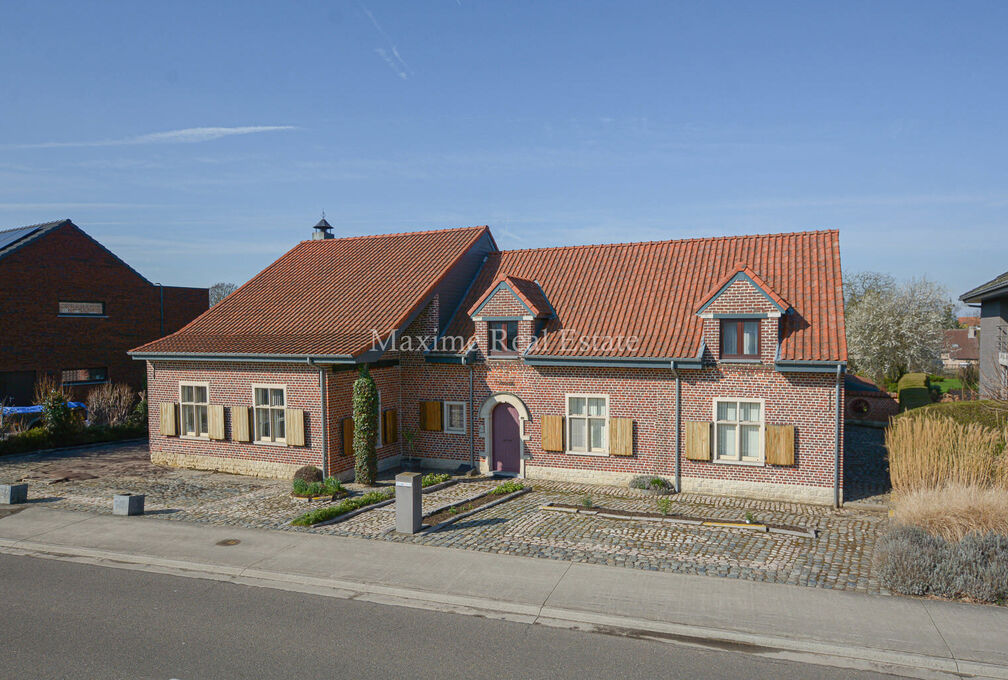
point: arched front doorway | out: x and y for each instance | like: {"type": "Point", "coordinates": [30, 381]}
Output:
{"type": "Point", "coordinates": [503, 433]}
{"type": "Point", "coordinates": [506, 442]}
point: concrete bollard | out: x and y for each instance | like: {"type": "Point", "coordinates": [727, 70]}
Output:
{"type": "Point", "coordinates": [408, 502]}
{"type": "Point", "coordinates": [12, 494]}
{"type": "Point", "coordinates": [128, 504]}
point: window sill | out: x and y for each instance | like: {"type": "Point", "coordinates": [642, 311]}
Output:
{"type": "Point", "coordinates": [83, 316]}
{"type": "Point", "coordinates": [195, 437]}
{"type": "Point", "coordinates": [743, 463]}
{"type": "Point", "coordinates": [594, 454]}
{"type": "Point", "coordinates": [740, 361]}
{"type": "Point", "coordinates": [454, 431]}
{"type": "Point", "coordinates": [265, 443]}
{"type": "Point", "coordinates": [503, 356]}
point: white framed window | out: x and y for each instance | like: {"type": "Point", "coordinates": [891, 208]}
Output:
{"type": "Point", "coordinates": [738, 430]}
{"type": "Point", "coordinates": [193, 402]}
{"type": "Point", "coordinates": [588, 423]}
{"type": "Point", "coordinates": [455, 417]}
{"type": "Point", "coordinates": [268, 404]}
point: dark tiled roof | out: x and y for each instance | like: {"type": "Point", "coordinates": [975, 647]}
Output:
{"type": "Point", "coordinates": [998, 285]}
{"type": "Point", "coordinates": [651, 291]}
{"type": "Point", "coordinates": [324, 297]}
{"type": "Point", "coordinates": [961, 346]}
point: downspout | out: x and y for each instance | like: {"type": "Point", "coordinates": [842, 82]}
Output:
{"type": "Point", "coordinates": [678, 408]}
{"type": "Point", "coordinates": [472, 441]}
{"type": "Point", "coordinates": [836, 452]}
{"type": "Point", "coordinates": [325, 420]}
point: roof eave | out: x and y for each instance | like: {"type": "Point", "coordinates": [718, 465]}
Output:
{"type": "Point", "coordinates": [243, 356]}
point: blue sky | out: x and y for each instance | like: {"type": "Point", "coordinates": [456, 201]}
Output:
{"type": "Point", "coordinates": [202, 140]}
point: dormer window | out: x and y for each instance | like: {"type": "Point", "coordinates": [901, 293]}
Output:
{"type": "Point", "coordinates": [503, 337]}
{"type": "Point", "coordinates": [740, 339]}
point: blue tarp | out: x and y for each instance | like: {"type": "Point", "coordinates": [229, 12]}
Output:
{"type": "Point", "coordinates": [27, 410]}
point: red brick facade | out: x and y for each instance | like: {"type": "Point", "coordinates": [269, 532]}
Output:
{"type": "Point", "coordinates": [645, 395]}
{"type": "Point", "coordinates": [66, 265]}
{"type": "Point", "coordinates": [803, 391]}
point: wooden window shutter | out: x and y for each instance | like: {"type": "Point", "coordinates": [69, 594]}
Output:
{"type": "Point", "coordinates": [698, 441]}
{"type": "Point", "coordinates": [169, 421]}
{"type": "Point", "coordinates": [294, 426]}
{"type": "Point", "coordinates": [620, 437]}
{"type": "Point", "coordinates": [240, 429]}
{"type": "Point", "coordinates": [552, 433]}
{"type": "Point", "coordinates": [430, 416]}
{"type": "Point", "coordinates": [391, 417]}
{"type": "Point", "coordinates": [348, 432]}
{"type": "Point", "coordinates": [780, 444]}
{"type": "Point", "coordinates": [215, 421]}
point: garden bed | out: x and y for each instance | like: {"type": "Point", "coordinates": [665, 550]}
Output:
{"type": "Point", "coordinates": [613, 513]}
{"type": "Point", "coordinates": [453, 512]}
{"type": "Point", "coordinates": [344, 510]}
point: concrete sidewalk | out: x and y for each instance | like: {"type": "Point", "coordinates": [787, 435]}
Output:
{"type": "Point", "coordinates": [922, 638]}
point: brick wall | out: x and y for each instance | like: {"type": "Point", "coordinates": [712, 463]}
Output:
{"type": "Point", "coordinates": [230, 384]}
{"type": "Point", "coordinates": [66, 265]}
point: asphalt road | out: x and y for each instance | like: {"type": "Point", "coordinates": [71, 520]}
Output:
{"type": "Point", "coordinates": [65, 620]}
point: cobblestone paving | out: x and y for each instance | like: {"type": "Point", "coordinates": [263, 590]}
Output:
{"type": "Point", "coordinates": [840, 558]}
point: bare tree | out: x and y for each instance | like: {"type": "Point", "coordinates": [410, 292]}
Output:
{"type": "Point", "coordinates": [221, 290]}
{"type": "Point", "coordinates": [894, 328]}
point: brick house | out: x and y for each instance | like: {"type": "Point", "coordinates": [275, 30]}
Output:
{"type": "Point", "coordinates": [716, 363]}
{"type": "Point", "coordinates": [70, 308]}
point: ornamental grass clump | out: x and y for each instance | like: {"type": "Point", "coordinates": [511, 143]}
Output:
{"type": "Point", "coordinates": [936, 453]}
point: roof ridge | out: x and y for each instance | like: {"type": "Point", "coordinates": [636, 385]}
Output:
{"type": "Point", "coordinates": [40, 225]}
{"type": "Point", "coordinates": [695, 239]}
{"type": "Point", "coordinates": [399, 233]}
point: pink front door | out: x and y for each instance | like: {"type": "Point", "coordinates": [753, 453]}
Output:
{"type": "Point", "coordinates": [506, 444]}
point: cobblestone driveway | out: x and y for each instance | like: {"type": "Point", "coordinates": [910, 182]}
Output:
{"type": "Point", "coordinates": [840, 558]}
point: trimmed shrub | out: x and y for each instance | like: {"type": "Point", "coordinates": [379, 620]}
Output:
{"type": "Point", "coordinates": [913, 562]}
{"type": "Point", "coordinates": [431, 479]}
{"type": "Point", "coordinates": [982, 571]}
{"type": "Point", "coordinates": [914, 391]}
{"type": "Point", "coordinates": [984, 412]}
{"type": "Point", "coordinates": [308, 474]}
{"type": "Point", "coordinates": [647, 482]}
{"type": "Point", "coordinates": [365, 415]}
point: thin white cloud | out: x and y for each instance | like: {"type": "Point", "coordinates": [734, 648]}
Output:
{"type": "Point", "coordinates": [183, 136]}
{"type": "Point", "coordinates": [390, 55]}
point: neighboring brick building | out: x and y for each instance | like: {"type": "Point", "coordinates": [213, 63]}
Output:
{"type": "Point", "coordinates": [71, 308]}
{"type": "Point", "coordinates": [714, 362]}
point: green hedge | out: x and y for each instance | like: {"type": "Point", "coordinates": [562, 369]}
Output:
{"type": "Point", "coordinates": [914, 391]}
{"type": "Point", "coordinates": [984, 411]}
{"type": "Point", "coordinates": [37, 438]}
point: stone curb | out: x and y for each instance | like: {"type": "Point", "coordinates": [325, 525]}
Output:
{"type": "Point", "coordinates": [787, 648]}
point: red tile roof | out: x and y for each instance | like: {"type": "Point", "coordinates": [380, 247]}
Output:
{"type": "Point", "coordinates": [324, 297]}
{"type": "Point", "coordinates": [651, 291]}
{"type": "Point", "coordinates": [527, 291]}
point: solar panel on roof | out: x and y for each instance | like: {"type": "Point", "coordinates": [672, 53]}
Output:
{"type": "Point", "coordinates": [9, 237]}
